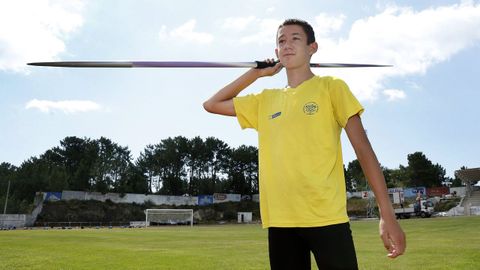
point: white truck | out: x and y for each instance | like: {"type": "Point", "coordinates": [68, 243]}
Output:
{"type": "Point", "coordinates": [424, 211]}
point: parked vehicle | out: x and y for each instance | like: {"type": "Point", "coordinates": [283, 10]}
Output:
{"type": "Point", "coordinates": [424, 210]}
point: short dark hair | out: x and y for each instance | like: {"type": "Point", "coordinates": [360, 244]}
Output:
{"type": "Point", "coordinates": [307, 28]}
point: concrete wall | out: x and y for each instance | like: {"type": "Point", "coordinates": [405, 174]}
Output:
{"type": "Point", "coordinates": [129, 198]}
{"type": "Point", "coordinates": [73, 195]}
{"type": "Point", "coordinates": [461, 211]}
{"type": "Point", "coordinates": [142, 198]}
{"type": "Point", "coordinates": [360, 194]}
{"type": "Point", "coordinates": [13, 220]}
{"type": "Point", "coordinates": [223, 197]}
{"type": "Point", "coordinates": [460, 191]}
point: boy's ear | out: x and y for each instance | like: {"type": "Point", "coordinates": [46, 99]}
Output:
{"type": "Point", "coordinates": [313, 48]}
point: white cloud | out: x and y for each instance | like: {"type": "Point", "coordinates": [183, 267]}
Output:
{"type": "Point", "coordinates": [412, 41]}
{"type": "Point", "coordinates": [186, 32]}
{"type": "Point", "coordinates": [253, 30]}
{"type": "Point", "coordinates": [326, 24]}
{"type": "Point", "coordinates": [35, 30]}
{"type": "Point", "coordinates": [414, 85]}
{"type": "Point", "coordinates": [237, 23]}
{"type": "Point", "coordinates": [267, 29]}
{"type": "Point", "coordinates": [163, 34]}
{"type": "Point", "coordinates": [394, 94]}
{"type": "Point", "coordinates": [65, 106]}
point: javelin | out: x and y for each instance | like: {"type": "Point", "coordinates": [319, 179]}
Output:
{"type": "Point", "coordinates": [184, 64]}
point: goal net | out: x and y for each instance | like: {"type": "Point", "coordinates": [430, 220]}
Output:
{"type": "Point", "coordinates": [156, 217]}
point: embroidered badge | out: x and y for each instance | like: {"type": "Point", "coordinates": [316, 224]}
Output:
{"type": "Point", "coordinates": [310, 108]}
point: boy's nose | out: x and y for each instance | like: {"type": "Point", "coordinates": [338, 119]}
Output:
{"type": "Point", "coordinates": [288, 45]}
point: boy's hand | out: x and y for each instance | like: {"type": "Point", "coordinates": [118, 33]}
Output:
{"type": "Point", "coordinates": [393, 237]}
{"type": "Point", "coordinates": [268, 71]}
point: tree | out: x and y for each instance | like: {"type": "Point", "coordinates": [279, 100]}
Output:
{"type": "Point", "coordinates": [354, 170]}
{"type": "Point", "coordinates": [52, 169]}
{"type": "Point", "coordinates": [243, 170]}
{"type": "Point", "coordinates": [110, 167]}
{"type": "Point", "coordinates": [218, 157]}
{"type": "Point", "coordinates": [422, 172]}
{"type": "Point", "coordinates": [7, 174]}
{"type": "Point", "coordinates": [196, 163]}
{"type": "Point", "coordinates": [457, 182]}
{"type": "Point", "coordinates": [132, 181]}
{"type": "Point", "coordinates": [396, 177]}
{"type": "Point", "coordinates": [79, 157]}
{"type": "Point", "coordinates": [349, 182]}
{"type": "Point", "coordinates": [147, 165]}
{"type": "Point", "coordinates": [35, 174]}
{"type": "Point", "coordinates": [438, 176]}
{"type": "Point", "coordinates": [171, 156]}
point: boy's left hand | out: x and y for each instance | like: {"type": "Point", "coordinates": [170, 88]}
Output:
{"type": "Point", "coordinates": [393, 237]}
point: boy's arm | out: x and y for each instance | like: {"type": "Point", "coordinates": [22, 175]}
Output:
{"type": "Point", "coordinates": [222, 101]}
{"type": "Point", "coordinates": [392, 235]}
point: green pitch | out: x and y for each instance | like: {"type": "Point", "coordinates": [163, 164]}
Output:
{"type": "Point", "coordinates": [437, 243]}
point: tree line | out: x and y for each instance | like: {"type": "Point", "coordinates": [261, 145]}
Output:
{"type": "Point", "coordinates": [420, 172]}
{"type": "Point", "coordinates": [174, 166]}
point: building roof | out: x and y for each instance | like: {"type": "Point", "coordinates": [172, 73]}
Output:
{"type": "Point", "coordinates": [469, 175]}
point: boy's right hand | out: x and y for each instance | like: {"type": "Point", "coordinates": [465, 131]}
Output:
{"type": "Point", "coordinates": [222, 101]}
{"type": "Point", "coordinates": [268, 71]}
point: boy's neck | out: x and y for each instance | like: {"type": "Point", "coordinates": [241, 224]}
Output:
{"type": "Point", "coordinates": [296, 77]}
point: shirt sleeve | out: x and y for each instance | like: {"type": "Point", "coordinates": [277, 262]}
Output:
{"type": "Point", "coordinates": [344, 103]}
{"type": "Point", "coordinates": [246, 109]}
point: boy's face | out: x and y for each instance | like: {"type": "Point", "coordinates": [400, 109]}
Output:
{"type": "Point", "coordinates": [292, 48]}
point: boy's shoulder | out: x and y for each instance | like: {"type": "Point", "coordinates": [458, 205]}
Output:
{"type": "Point", "coordinates": [326, 83]}
{"type": "Point", "coordinates": [333, 83]}
{"type": "Point", "coordinates": [330, 79]}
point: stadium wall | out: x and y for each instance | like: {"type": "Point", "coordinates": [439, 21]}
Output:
{"type": "Point", "coordinates": [460, 191]}
{"type": "Point", "coordinates": [142, 198]}
{"type": "Point", "coordinates": [190, 200]}
{"type": "Point", "coordinates": [223, 197]}
{"type": "Point", "coordinates": [13, 220]}
{"type": "Point", "coordinates": [129, 198]}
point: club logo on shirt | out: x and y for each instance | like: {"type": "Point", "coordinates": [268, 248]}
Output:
{"type": "Point", "coordinates": [275, 115]}
{"type": "Point", "coordinates": [310, 108]}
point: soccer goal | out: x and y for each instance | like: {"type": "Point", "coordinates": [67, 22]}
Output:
{"type": "Point", "coordinates": [156, 217]}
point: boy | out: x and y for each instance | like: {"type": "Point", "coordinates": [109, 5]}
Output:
{"type": "Point", "coordinates": [302, 186]}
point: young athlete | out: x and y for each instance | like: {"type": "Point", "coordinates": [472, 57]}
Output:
{"type": "Point", "coordinates": [302, 185]}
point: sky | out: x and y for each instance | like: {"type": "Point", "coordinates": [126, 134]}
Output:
{"type": "Point", "coordinates": [428, 101]}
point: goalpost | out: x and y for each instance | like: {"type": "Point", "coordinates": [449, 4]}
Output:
{"type": "Point", "coordinates": [155, 217]}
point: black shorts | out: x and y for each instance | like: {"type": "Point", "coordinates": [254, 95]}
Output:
{"type": "Point", "coordinates": [332, 247]}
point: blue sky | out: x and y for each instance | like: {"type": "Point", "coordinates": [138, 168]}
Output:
{"type": "Point", "coordinates": [427, 102]}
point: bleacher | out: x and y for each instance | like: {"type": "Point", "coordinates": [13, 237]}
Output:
{"type": "Point", "coordinates": [473, 199]}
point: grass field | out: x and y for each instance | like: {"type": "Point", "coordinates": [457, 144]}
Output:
{"type": "Point", "coordinates": [436, 243]}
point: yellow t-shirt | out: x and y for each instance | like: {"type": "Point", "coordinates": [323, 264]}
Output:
{"type": "Point", "coordinates": [300, 157]}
